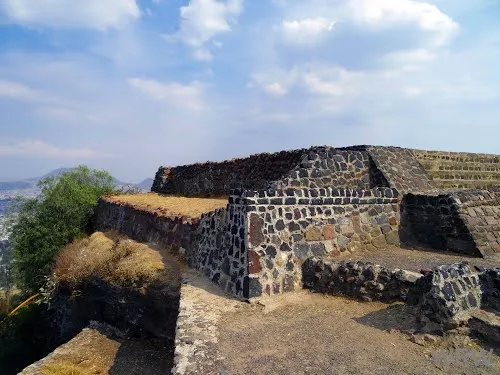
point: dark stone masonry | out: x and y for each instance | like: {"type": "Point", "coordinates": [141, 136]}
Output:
{"type": "Point", "coordinates": [465, 221]}
{"type": "Point", "coordinates": [287, 207]}
{"type": "Point", "coordinates": [365, 281]}
{"type": "Point", "coordinates": [448, 294]}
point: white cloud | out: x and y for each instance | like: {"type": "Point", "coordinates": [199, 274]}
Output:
{"type": "Point", "coordinates": [185, 96]}
{"type": "Point", "coordinates": [420, 55]}
{"type": "Point", "coordinates": [202, 20]}
{"type": "Point", "coordinates": [319, 86]}
{"type": "Point", "coordinates": [16, 90]}
{"type": "Point", "coordinates": [413, 91]}
{"type": "Point", "coordinates": [71, 14]}
{"type": "Point", "coordinates": [307, 30]}
{"type": "Point", "coordinates": [385, 13]}
{"type": "Point", "coordinates": [275, 88]}
{"type": "Point", "coordinates": [203, 54]}
{"type": "Point", "coordinates": [41, 149]}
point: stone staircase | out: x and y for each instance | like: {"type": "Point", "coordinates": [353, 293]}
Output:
{"type": "Point", "coordinates": [461, 170]}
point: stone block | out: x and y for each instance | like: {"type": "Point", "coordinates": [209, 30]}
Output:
{"type": "Point", "coordinates": [313, 234]}
{"type": "Point", "coordinates": [254, 266]}
{"type": "Point", "coordinates": [328, 232]}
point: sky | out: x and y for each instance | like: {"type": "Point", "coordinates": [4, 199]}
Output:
{"type": "Point", "coordinates": [129, 85]}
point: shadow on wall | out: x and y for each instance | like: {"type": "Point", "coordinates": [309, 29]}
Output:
{"type": "Point", "coordinates": [434, 221]}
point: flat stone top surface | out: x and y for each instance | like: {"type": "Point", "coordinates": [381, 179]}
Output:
{"type": "Point", "coordinates": [169, 206]}
{"type": "Point", "coordinates": [415, 259]}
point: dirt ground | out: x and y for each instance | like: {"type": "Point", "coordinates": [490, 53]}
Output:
{"type": "Point", "coordinates": [305, 333]}
{"type": "Point", "coordinates": [415, 259]}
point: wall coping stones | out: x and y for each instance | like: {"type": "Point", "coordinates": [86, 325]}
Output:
{"type": "Point", "coordinates": [321, 196]}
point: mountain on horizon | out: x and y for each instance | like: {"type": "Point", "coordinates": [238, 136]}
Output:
{"type": "Point", "coordinates": [30, 183]}
{"type": "Point", "coordinates": [145, 184]}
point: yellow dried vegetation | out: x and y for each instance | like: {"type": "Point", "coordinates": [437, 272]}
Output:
{"type": "Point", "coordinates": [170, 205]}
{"type": "Point", "coordinates": [110, 257]}
{"type": "Point", "coordinates": [63, 368]}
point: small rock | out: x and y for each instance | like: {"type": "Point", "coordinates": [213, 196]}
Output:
{"type": "Point", "coordinates": [430, 338]}
{"type": "Point", "coordinates": [418, 339]}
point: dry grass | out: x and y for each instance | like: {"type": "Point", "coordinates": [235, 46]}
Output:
{"type": "Point", "coordinates": [170, 205]}
{"type": "Point", "coordinates": [111, 257]}
{"type": "Point", "coordinates": [63, 368]}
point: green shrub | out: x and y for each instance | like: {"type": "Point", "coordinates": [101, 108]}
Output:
{"type": "Point", "coordinates": [61, 213]}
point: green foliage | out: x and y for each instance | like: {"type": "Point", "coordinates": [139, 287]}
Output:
{"type": "Point", "coordinates": [60, 214]}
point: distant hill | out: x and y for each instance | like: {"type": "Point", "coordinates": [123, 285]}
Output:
{"type": "Point", "coordinates": [54, 173]}
{"type": "Point", "coordinates": [145, 185]}
{"type": "Point", "coordinates": [30, 183]}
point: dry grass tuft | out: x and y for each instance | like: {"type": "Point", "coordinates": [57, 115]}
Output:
{"type": "Point", "coordinates": [170, 205]}
{"type": "Point", "coordinates": [111, 257]}
{"type": "Point", "coordinates": [66, 368]}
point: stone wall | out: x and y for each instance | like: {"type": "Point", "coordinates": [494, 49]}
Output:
{"type": "Point", "coordinates": [460, 169]}
{"type": "Point", "coordinates": [214, 244]}
{"type": "Point", "coordinates": [287, 227]}
{"type": "Point", "coordinates": [306, 168]}
{"type": "Point", "coordinates": [490, 288]}
{"type": "Point", "coordinates": [448, 294]}
{"type": "Point", "coordinates": [462, 221]}
{"type": "Point", "coordinates": [361, 280]}
{"type": "Point", "coordinates": [400, 168]}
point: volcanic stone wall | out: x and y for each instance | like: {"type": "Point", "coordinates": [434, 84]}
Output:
{"type": "Point", "coordinates": [400, 168]}
{"type": "Point", "coordinates": [306, 168]}
{"type": "Point", "coordinates": [448, 294]}
{"type": "Point", "coordinates": [287, 227]}
{"type": "Point", "coordinates": [461, 169]}
{"type": "Point", "coordinates": [214, 244]}
{"type": "Point", "coordinates": [490, 288]}
{"type": "Point", "coordinates": [361, 280]}
{"type": "Point", "coordinates": [465, 221]}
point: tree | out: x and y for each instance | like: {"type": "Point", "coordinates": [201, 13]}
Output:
{"type": "Point", "coordinates": [61, 213]}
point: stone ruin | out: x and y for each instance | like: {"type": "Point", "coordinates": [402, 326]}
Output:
{"type": "Point", "coordinates": [290, 214]}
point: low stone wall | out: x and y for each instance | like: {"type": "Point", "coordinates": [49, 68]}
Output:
{"type": "Point", "coordinates": [445, 296]}
{"type": "Point", "coordinates": [490, 288]}
{"type": "Point", "coordinates": [361, 280]}
{"type": "Point", "coordinates": [214, 244]}
{"type": "Point", "coordinates": [287, 227]}
{"type": "Point", "coordinates": [316, 167]}
{"type": "Point", "coordinates": [461, 169]}
{"type": "Point", "coordinates": [448, 294]}
{"type": "Point", "coordinates": [462, 221]}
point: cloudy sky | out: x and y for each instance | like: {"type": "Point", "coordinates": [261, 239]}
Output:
{"type": "Point", "coordinates": [128, 85]}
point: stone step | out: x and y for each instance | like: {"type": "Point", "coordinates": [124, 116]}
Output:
{"type": "Point", "coordinates": [457, 158]}
{"type": "Point", "coordinates": [460, 183]}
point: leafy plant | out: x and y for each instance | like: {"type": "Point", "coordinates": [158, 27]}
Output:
{"type": "Point", "coordinates": [61, 213]}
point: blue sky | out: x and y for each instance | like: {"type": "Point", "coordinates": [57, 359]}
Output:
{"type": "Point", "coordinates": [129, 85]}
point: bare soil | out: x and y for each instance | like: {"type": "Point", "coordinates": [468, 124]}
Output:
{"type": "Point", "coordinates": [305, 333]}
{"type": "Point", "coordinates": [168, 206]}
{"type": "Point", "coordinates": [415, 258]}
